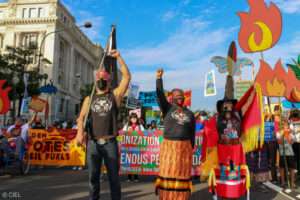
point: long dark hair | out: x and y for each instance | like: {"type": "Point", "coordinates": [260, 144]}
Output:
{"type": "Point", "coordinates": [133, 115]}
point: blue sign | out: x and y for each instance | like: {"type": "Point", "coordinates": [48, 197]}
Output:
{"type": "Point", "coordinates": [148, 99]}
{"type": "Point", "coordinates": [288, 104]}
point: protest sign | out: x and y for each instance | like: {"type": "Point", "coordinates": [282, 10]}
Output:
{"type": "Point", "coordinates": [148, 99]}
{"type": "Point", "coordinates": [54, 148]}
{"type": "Point", "coordinates": [210, 84]}
{"type": "Point", "coordinates": [241, 87]}
{"type": "Point", "coordinates": [132, 101]}
{"type": "Point", "coordinates": [139, 152]}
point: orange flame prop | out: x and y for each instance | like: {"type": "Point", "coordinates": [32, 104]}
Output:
{"type": "Point", "coordinates": [260, 28]}
{"type": "Point", "coordinates": [4, 100]}
{"type": "Point", "coordinates": [277, 82]}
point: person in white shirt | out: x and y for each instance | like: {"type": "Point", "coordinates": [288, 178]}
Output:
{"type": "Point", "coordinates": [133, 124]}
{"type": "Point", "coordinates": [20, 131]}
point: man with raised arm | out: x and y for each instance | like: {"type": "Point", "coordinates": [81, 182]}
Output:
{"type": "Point", "coordinates": [102, 144]}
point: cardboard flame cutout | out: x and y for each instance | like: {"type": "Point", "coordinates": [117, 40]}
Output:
{"type": "Point", "coordinates": [260, 28]}
{"type": "Point", "coordinates": [4, 100]}
{"type": "Point", "coordinates": [277, 82]}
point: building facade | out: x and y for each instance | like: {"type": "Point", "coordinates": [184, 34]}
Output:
{"type": "Point", "coordinates": [72, 55]}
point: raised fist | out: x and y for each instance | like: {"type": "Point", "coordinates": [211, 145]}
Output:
{"type": "Point", "coordinates": [159, 73]}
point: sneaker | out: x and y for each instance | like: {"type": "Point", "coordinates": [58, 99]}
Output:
{"type": "Point", "coordinates": [136, 180]}
{"type": "Point", "coordinates": [74, 168]}
{"type": "Point", "coordinates": [79, 168]}
{"type": "Point", "coordinates": [128, 180]}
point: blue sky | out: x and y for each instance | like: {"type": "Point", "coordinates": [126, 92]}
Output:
{"type": "Point", "coordinates": [181, 36]}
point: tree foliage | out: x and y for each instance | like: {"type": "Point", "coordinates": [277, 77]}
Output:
{"type": "Point", "coordinates": [14, 63]}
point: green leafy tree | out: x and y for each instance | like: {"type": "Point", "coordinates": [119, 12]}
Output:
{"type": "Point", "coordinates": [14, 64]}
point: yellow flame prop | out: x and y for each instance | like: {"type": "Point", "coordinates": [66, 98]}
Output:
{"type": "Point", "coordinates": [266, 41]}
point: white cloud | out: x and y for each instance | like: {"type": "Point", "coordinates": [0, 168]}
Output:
{"type": "Point", "coordinates": [169, 15]}
{"type": "Point", "coordinates": [186, 54]}
{"type": "Point", "coordinates": [288, 6]}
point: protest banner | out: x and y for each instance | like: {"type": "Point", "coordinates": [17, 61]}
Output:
{"type": "Point", "coordinates": [132, 101]}
{"type": "Point", "coordinates": [148, 99]}
{"type": "Point", "coordinates": [38, 104]}
{"type": "Point", "coordinates": [241, 87]}
{"type": "Point", "coordinates": [139, 152]}
{"type": "Point", "coordinates": [152, 115]}
{"type": "Point", "coordinates": [4, 99]}
{"type": "Point", "coordinates": [25, 105]}
{"type": "Point", "coordinates": [210, 84]}
{"type": "Point", "coordinates": [54, 148]}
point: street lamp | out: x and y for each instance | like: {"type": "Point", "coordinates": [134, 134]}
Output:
{"type": "Point", "coordinates": [85, 25]}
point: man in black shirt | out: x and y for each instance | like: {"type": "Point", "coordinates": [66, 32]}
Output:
{"type": "Point", "coordinates": [102, 143]}
{"type": "Point", "coordinates": [174, 181]}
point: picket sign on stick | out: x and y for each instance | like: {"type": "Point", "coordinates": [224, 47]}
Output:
{"type": "Point", "coordinates": [280, 125]}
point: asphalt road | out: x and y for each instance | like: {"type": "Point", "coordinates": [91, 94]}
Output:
{"type": "Point", "coordinates": [66, 184]}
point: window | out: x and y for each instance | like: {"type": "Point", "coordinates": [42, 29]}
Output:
{"type": "Point", "coordinates": [65, 20]}
{"type": "Point", "coordinates": [62, 65]}
{"type": "Point", "coordinates": [59, 79]}
{"type": "Point", "coordinates": [1, 41]}
{"type": "Point", "coordinates": [40, 12]}
{"type": "Point", "coordinates": [24, 12]}
{"type": "Point", "coordinates": [83, 71]}
{"type": "Point", "coordinates": [30, 40]}
{"type": "Point", "coordinates": [32, 12]}
{"type": "Point", "coordinates": [61, 106]}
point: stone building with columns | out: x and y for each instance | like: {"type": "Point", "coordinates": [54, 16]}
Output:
{"type": "Point", "coordinates": [73, 56]}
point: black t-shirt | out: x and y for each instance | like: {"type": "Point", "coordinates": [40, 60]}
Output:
{"type": "Point", "coordinates": [179, 122]}
{"type": "Point", "coordinates": [104, 112]}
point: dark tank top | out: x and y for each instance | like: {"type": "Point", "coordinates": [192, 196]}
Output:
{"type": "Point", "coordinates": [104, 113]}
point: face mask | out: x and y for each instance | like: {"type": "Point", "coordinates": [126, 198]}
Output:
{"type": "Point", "coordinates": [178, 101]}
{"type": "Point", "coordinates": [102, 84]}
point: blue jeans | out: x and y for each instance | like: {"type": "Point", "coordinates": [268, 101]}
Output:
{"type": "Point", "coordinates": [108, 152]}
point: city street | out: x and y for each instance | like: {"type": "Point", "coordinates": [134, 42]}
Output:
{"type": "Point", "coordinates": [66, 184]}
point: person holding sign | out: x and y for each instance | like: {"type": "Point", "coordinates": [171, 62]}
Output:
{"type": "Point", "coordinates": [174, 180]}
{"type": "Point", "coordinates": [102, 144]}
{"type": "Point", "coordinates": [133, 125]}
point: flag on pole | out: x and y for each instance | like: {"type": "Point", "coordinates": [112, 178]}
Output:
{"type": "Point", "coordinates": [251, 108]}
{"type": "Point", "coordinates": [110, 64]}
